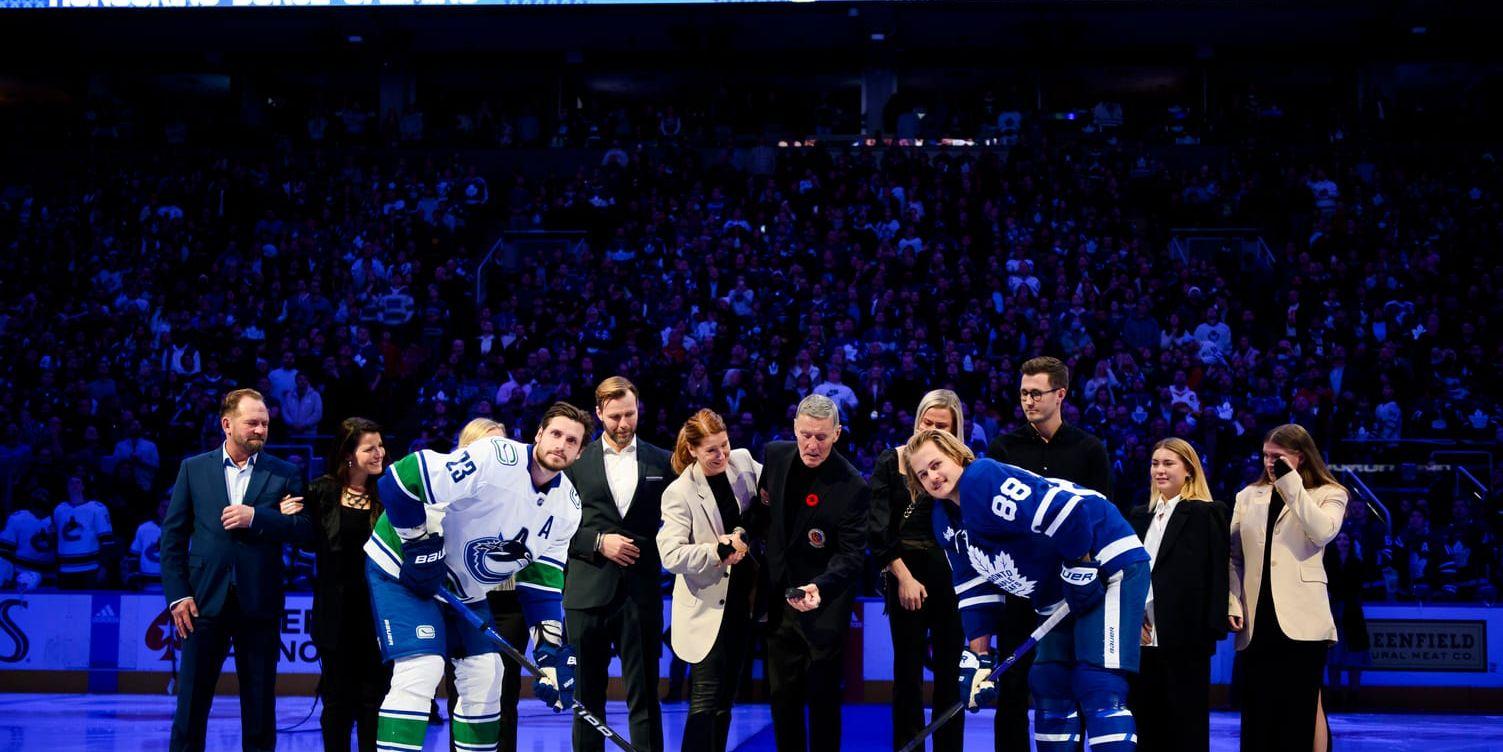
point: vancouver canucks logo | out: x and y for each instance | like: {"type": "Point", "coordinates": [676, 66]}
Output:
{"type": "Point", "coordinates": [492, 560]}
{"type": "Point", "coordinates": [41, 541]}
{"type": "Point", "coordinates": [506, 454]}
{"type": "Point", "coordinates": [72, 530]}
{"type": "Point", "coordinates": [1000, 571]}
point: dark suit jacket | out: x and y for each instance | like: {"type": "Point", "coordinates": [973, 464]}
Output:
{"type": "Point", "coordinates": [591, 580]}
{"type": "Point", "coordinates": [1190, 574]}
{"type": "Point", "coordinates": [200, 559]}
{"type": "Point", "coordinates": [793, 559]}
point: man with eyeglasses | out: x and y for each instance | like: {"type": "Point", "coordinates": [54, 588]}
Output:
{"type": "Point", "coordinates": [1050, 447]}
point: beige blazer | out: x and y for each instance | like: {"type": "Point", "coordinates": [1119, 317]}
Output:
{"type": "Point", "coordinates": [1310, 519]}
{"type": "Point", "coordinates": [687, 542]}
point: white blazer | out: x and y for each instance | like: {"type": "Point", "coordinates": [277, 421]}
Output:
{"type": "Point", "coordinates": [1310, 519]}
{"type": "Point", "coordinates": [688, 540]}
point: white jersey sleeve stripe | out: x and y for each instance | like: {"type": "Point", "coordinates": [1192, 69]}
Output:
{"type": "Point", "coordinates": [427, 484]}
{"type": "Point", "coordinates": [1063, 513]}
{"type": "Point", "coordinates": [1038, 516]}
{"type": "Point", "coordinates": [1117, 548]}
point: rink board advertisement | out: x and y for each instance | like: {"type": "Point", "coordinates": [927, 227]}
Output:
{"type": "Point", "coordinates": [133, 632]}
{"type": "Point", "coordinates": [107, 632]}
{"type": "Point", "coordinates": [1428, 645]}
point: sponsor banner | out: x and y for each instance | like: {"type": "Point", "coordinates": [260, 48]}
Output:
{"type": "Point", "coordinates": [1428, 645]}
{"type": "Point", "coordinates": [104, 642]}
{"type": "Point", "coordinates": [147, 642]}
{"type": "Point", "coordinates": [46, 632]}
{"type": "Point", "coordinates": [102, 633]}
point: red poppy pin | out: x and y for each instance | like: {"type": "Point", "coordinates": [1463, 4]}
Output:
{"type": "Point", "coordinates": [811, 500]}
{"type": "Point", "coordinates": [766, 498]}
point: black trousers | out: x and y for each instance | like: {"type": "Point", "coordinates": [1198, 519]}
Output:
{"type": "Point", "coordinates": [1171, 700]}
{"type": "Point", "coordinates": [804, 675]}
{"type": "Point", "coordinates": [932, 632]}
{"type": "Point", "coordinates": [354, 683]}
{"type": "Point", "coordinates": [257, 647]}
{"type": "Point", "coordinates": [714, 681]}
{"type": "Point", "coordinates": [1283, 683]}
{"type": "Point", "coordinates": [633, 630]}
{"type": "Point", "coordinates": [1011, 723]}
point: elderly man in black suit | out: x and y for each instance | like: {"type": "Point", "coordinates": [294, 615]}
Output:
{"type": "Point", "coordinates": [222, 571]}
{"type": "Point", "coordinates": [813, 517]}
{"type": "Point", "coordinates": [612, 595]}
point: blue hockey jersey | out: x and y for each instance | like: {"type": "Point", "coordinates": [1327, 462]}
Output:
{"type": "Point", "coordinates": [1011, 532]}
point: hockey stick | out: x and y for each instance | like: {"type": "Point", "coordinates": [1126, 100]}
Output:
{"type": "Point", "coordinates": [516, 655]}
{"type": "Point", "coordinates": [1028, 644]}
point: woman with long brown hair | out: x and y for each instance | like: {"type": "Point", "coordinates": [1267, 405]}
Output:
{"type": "Point", "coordinates": [1185, 533]}
{"type": "Point", "coordinates": [344, 503]}
{"type": "Point", "coordinates": [1278, 605]}
{"type": "Point", "coordinates": [702, 542]}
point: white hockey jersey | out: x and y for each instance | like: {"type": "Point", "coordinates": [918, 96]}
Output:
{"type": "Point", "coordinates": [26, 543]}
{"type": "Point", "coordinates": [81, 531]}
{"type": "Point", "coordinates": [147, 547]}
{"type": "Point", "coordinates": [495, 523]}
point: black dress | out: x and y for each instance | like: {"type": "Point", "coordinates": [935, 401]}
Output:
{"type": "Point", "coordinates": [1284, 676]}
{"type": "Point", "coordinates": [354, 679]}
{"type": "Point", "coordinates": [902, 528]}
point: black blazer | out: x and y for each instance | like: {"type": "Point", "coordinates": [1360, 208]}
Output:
{"type": "Point", "coordinates": [1190, 574]}
{"type": "Point", "coordinates": [793, 559]}
{"type": "Point", "coordinates": [591, 580]}
{"type": "Point", "coordinates": [200, 559]}
{"type": "Point", "coordinates": [889, 501]}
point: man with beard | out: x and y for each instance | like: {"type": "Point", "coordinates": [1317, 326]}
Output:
{"type": "Point", "coordinates": [470, 520]}
{"type": "Point", "coordinates": [226, 507]}
{"type": "Point", "coordinates": [611, 590]}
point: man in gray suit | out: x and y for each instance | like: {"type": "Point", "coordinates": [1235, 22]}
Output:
{"type": "Point", "coordinates": [612, 600]}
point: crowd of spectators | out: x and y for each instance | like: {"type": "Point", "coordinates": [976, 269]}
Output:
{"type": "Point", "coordinates": [133, 295]}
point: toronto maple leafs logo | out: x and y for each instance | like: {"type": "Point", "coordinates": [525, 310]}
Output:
{"type": "Point", "coordinates": [492, 560]}
{"type": "Point", "coordinates": [1000, 571]}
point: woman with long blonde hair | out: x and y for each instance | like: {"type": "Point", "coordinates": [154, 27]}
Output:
{"type": "Point", "coordinates": [1185, 533]}
{"type": "Point", "coordinates": [921, 603]}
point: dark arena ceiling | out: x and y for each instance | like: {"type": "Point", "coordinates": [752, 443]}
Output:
{"type": "Point", "coordinates": [756, 33]}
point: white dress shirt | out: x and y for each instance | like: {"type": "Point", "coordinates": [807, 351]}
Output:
{"type": "Point", "coordinates": [621, 473]}
{"type": "Point", "coordinates": [237, 478]}
{"type": "Point", "coordinates": [236, 481]}
{"type": "Point", "coordinates": [1152, 542]}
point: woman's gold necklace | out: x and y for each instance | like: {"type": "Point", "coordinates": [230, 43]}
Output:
{"type": "Point", "coordinates": [356, 499]}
